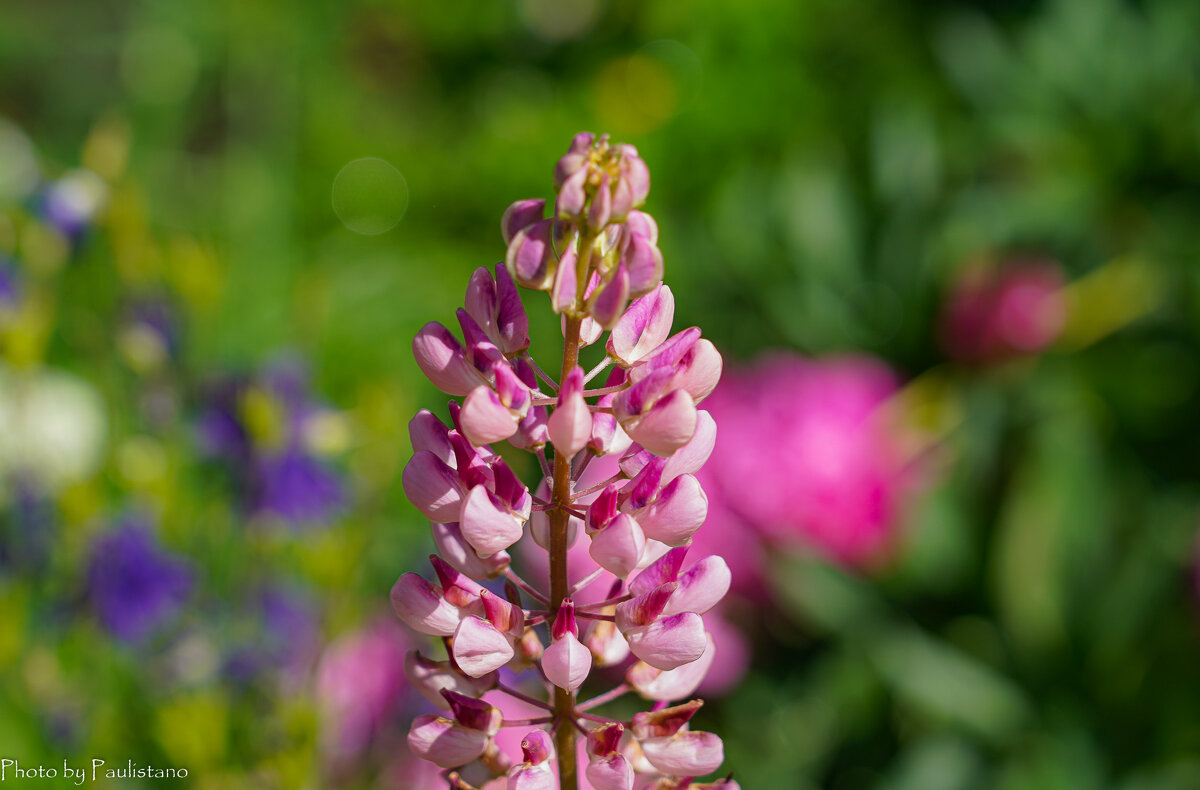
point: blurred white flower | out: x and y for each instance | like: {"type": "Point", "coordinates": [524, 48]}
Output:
{"type": "Point", "coordinates": [52, 426]}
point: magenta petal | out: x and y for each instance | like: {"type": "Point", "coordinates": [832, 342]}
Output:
{"type": "Point", "coordinates": [520, 215]}
{"type": "Point", "coordinates": [421, 606]}
{"type": "Point", "coordinates": [669, 642]}
{"type": "Point", "coordinates": [454, 549]}
{"type": "Point", "coordinates": [674, 684]}
{"type": "Point", "coordinates": [635, 171]}
{"type": "Point", "coordinates": [663, 571]}
{"type": "Point", "coordinates": [618, 547]}
{"type": "Point", "coordinates": [639, 223]}
{"type": "Point", "coordinates": [685, 753]}
{"type": "Point", "coordinates": [432, 487]}
{"type": "Point", "coordinates": [644, 262]}
{"type": "Point", "coordinates": [485, 419]}
{"type": "Point", "coordinates": [677, 512]}
{"type": "Point", "coordinates": [668, 425]}
{"type": "Point", "coordinates": [612, 772]}
{"type": "Point", "coordinates": [567, 662]}
{"type": "Point", "coordinates": [479, 648]}
{"type": "Point", "coordinates": [564, 291]}
{"type": "Point", "coordinates": [572, 195]}
{"type": "Point", "coordinates": [643, 327]}
{"type": "Point", "coordinates": [570, 424]}
{"type": "Point", "coordinates": [645, 608]}
{"type": "Point", "coordinates": [427, 432]}
{"type": "Point", "coordinates": [530, 257]}
{"type": "Point", "coordinates": [512, 323]}
{"type": "Point", "coordinates": [443, 360]}
{"type": "Point", "coordinates": [701, 587]}
{"type": "Point", "coordinates": [486, 524]}
{"type": "Point", "coordinates": [608, 303]}
{"type": "Point", "coordinates": [602, 206]}
{"type": "Point", "coordinates": [444, 741]}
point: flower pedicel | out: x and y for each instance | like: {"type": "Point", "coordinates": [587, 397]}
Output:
{"type": "Point", "coordinates": [597, 258]}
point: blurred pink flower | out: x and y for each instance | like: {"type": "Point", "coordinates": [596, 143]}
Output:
{"type": "Point", "coordinates": [994, 313]}
{"type": "Point", "coordinates": [360, 684]}
{"type": "Point", "coordinates": [806, 455]}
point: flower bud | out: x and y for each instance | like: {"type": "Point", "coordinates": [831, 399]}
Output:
{"type": "Point", "coordinates": [570, 425]}
{"type": "Point", "coordinates": [566, 662]}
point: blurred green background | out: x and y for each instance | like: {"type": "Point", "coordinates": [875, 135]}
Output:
{"type": "Point", "coordinates": [302, 186]}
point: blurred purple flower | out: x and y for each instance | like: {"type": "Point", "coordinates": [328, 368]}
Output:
{"type": "Point", "coordinates": [134, 585]}
{"type": "Point", "coordinates": [286, 635]}
{"type": "Point", "coordinates": [298, 488]}
{"type": "Point", "coordinates": [10, 291]}
{"type": "Point", "coordinates": [259, 427]}
{"type": "Point", "coordinates": [70, 203]}
{"type": "Point", "coordinates": [995, 313]}
{"type": "Point", "coordinates": [805, 455]}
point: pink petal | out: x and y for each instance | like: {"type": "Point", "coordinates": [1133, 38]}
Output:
{"type": "Point", "coordinates": [643, 327]}
{"type": "Point", "coordinates": [610, 773]}
{"type": "Point", "coordinates": [700, 370]}
{"type": "Point", "coordinates": [443, 360]}
{"type": "Point", "coordinates": [608, 646]}
{"type": "Point", "coordinates": [571, 195]}
{"type": "Point", "coordinates": [674, 684]}
{"type": "Point", "coordinates": [432, 487]}
{"type": "Point", "coordinates": [479, 648]}
{"type": "Point", "coordinates": [685, 753]}
{"type": "Point", "coordinates": [564, 291]}
{"type": "Point", "coordinates": [532, 777]}
{"type": "Point", "coordinates": [644, 609]}
{"type": "Point", "coordinates": [670, 642]}
{"type": "Point", "coordinates": [521, 214]}
{"type": "Point", "coordinates": [486, 524]}
{"type": "Point", "coordinates": [677, 512]}
{"type": "Point", "coordinates": [422, 607]}
{"type": "Point", "coordinates": [429, 677]}
{"type": "Point", "coordinates": [530, 256]}
{"type": "Point", "coordinates": [453, 548]}
{"type": "Point", "coordinates": [644, 262]}
{"type": "Point", "coordinates": [570, 425]}
{"type": "Point", "coordinates": [701, 587]}
{"type": "Point", "coordinates": [664, 570]}
{"type": "Point", "coordinates": [485, 419]}
{"type": "Point", "coordinates": [668, 425]}
{"type": "Point", "coordinates": [427, 432]}
{"type": "Point", "coordinates": [567, 662]}
{"type": "Point", "coordinates": [444, 741]}
{"type": "Point", "coordinates": [618, 547]}
{"type": "Point", "coordinates": [608, 303]}
{"type": "Point", "coordinates": [602, 206]}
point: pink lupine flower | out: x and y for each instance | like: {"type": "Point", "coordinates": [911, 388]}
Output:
{"type": "Point", "coordinates": [826, 469]}
{"type": "Point", "coordinates": [608, 525]}
{"type": "Point", "coordinates": [996, 313]}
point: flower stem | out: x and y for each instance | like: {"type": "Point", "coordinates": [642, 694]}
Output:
{"type": "Point", "coordinates": [564, 701]}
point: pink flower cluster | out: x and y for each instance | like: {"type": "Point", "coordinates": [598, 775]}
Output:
{"type": "Point", "coordinates": [807, 455]}
{"type": "Point", "coordinates": [996, 313]}
{"type": "Point", "coordinates": [595, 255]}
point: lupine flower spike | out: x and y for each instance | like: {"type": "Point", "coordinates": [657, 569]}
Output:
{"type": "Point", "coordinates": [619, 458]}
